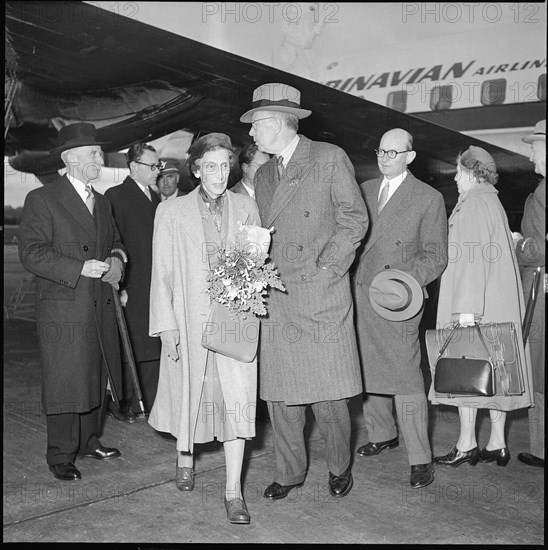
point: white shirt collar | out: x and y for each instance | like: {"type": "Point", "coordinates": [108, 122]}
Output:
{"type": "Point", "coordinates": [78, 185]}
{"type": "Point", "coordinates": [394, 183]}
{"type": "Point", "coordinates": [287, 153]}
{"type": "Point", "coordinates": [143, 188]}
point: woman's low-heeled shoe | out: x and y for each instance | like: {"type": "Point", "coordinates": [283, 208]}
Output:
{"type": "Point", "coordinates": [502, 456]}
{"type": "Point", "coordinates": [455, 457]}
{"type": "Point", "coordinates": [236, 511]}
{"type": "Point", "coordinates": [184, 479]}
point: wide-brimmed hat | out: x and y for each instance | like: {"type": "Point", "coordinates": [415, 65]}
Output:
{"type": "Point", "coordinates": [539, 133]}
{"type": "Point", "coordinates": [395, 295]}
{"type": "Point", "coordinates": [75, 135]}
{"type": "Point", "coordinates": [276, 97]}
{"type": "Point", "coordinates": [170, 167]}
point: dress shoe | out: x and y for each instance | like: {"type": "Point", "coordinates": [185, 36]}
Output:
{"type": "Point", "coordinates": [455, 457]}
{"type": "Point", "coordinates": [66, 471]}
{"type": "Point", "coordinates": [184, 478]}
{"type": "Point", "coordinates": [339, 486]}
{"type": "Point", "coordinates": [372, 449]}
{"type": "Point", "coordinates": [531, 460]}
{"type": "Point", "coordinates": [236, 511]}
{"type": "Point", "coordinates": [102, 453]}
{"type": "Point", "coordinates": [502, 456]}
{"type": "Point", "coordinates": [275, 491]}
{"type": "Point", "coordinates": [127, 417]}
{"type": "Point", "coordinates": [421, 475]}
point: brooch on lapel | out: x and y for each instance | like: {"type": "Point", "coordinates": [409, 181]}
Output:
{"type": "Point", "coordinates": [293, 182]}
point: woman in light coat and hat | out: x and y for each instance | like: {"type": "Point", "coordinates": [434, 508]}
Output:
{"type": "Point", "coordinates": [480, 284]}
{"type": "Point", "coordinates": [202, 395]}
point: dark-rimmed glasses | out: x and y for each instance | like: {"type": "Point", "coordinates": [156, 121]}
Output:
{"type": "Point", "coordinates": [391, 153]}
{"type": "Point", "coordinates": [153, 167]}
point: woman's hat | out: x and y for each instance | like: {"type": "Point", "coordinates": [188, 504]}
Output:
{"type": "Point", "coordinates": [395, 295]}
{"type": "Point", "coordinates": [539, 133]}
{"type": "Point", "coordinates": [480, 155]}
{"type": "Point", "coordinates": [204, 144]}
{"type": "Point", "coordinates": [75, 135]}
{"type": "Point", "coordinates": [276, 97]}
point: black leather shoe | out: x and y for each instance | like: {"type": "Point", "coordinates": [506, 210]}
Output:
{"type": "Point", "coordinates": [184, 478]}
{"type": "Point", "coordinates": [502, 456]}
{"type": "Point", "coordinates": [455, 457]}
{"type": "Point", "coordinates": [531, 460]}
{"type": "Point", "coordinates": [236, 511]}
{"type": "Point", "coordinates": [128, 417]}
{"type": "Point", "coordinates": [421, 475]}
{"type": "Point", "coordinates": [275, 491]}
{"type": "Point", "coordinates": [102, 453]}
{"type": "Point", "coordinates": [339, 486]}
{"type": "Point", "coordinates": [372, 449]}
{"type": "Point", "coordinates": [66, 471]}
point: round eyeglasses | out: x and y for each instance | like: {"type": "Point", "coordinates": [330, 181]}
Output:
{"type": "Point", "coordinates": [153, 167]}
{"type": "Point", "coordinates": [391, 153]}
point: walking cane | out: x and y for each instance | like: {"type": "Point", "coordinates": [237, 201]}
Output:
{"type": "Point", "coordinates": [127, 347]}
{"type": "Point", "coordinates": [528, 318]}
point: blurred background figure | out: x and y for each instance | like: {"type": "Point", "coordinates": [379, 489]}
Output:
{"type": "Point", "coordinates": [530, 251]}
{"type": "Point", "coordinates": [168, 180]}
{"type": "Point", "coordinates": [250, 160]}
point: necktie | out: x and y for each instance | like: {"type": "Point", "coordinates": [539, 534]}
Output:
{"type": "Point", "coordinates": [147, 193]}
{"type": "Point", "coordinates": [383, 199]}
{"type": "Point", "coordinates": [90, 199]}
{"type": "Point", "coordinates": [280, 167]}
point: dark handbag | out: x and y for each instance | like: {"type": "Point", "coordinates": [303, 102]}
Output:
{"type": "Point", "coordinates": [497, 342]}
{"type": "Point", "coordinates": [225, 334]}
{"type": "Point", "coordinates": [465, 375]}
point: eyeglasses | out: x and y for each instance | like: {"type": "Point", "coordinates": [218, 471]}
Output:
{"type": "Point", "coordinates": [257, 120]}
{"type": "Point", "coordinates": [391, 153]}
{"type": "Point", "coordinates": [153, 167]}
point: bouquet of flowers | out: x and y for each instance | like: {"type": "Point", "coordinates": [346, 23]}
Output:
{"type": "Point", "coordinates": [244, 273]}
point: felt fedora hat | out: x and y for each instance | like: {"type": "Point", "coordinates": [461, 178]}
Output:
{"type": "Point", "coordinates": [539, 133]}
{"type": "Point", "coordinates": [74, 135]}
{"type": "Point", "coordinates": [275, 96]}
{"type": "Point", "coordinates": [395, 295]}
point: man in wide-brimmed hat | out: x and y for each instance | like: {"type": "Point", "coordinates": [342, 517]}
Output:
{"type": "Point", "coordinates": [530, 250]}
{"type": "Point", "coordinates": [69, 240]}
{"type": "Point", "coordinates": [308, 192]}
{"type": "Point", "coordinates": [407, 239]}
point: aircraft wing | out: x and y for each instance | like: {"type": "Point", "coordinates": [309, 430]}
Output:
{"type": "Point", "coordinates": [72, 61]}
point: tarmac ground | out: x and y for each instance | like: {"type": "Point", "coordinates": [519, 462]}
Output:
{"type": "Point", "coordinates": [133, 499]}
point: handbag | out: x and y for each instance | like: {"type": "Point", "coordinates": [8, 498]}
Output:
{"type": "Point", "coordinates": [497, 343]}
{"type": "Point", "coordinates": [229, 336]}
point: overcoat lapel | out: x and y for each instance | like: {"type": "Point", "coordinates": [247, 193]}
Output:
{"type": "Point", "coordinates": [138, 197]}
{"type": "Point", "coordinates": [76, 207]}
{"type": "Point", "coordinates": [296, 170]}
{"type": "Point", "coordinates": [392, 212]}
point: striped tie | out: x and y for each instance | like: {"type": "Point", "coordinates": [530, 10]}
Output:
{"type": "Point", "coordinates": [90, 199]}
{"type": "Point", "coordinates": [280, 167]}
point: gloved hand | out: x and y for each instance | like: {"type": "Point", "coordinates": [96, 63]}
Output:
{"type": "Point", "coordinates": [114, 274]}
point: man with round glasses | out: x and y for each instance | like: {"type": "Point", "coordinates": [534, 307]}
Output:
{"type": "Point", "coordinates": [133, 207]}
{"type": "Point", "coordinates": [407, 233]}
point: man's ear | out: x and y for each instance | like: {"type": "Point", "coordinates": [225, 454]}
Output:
{"type": "Point", "coordinates": [411, 157]}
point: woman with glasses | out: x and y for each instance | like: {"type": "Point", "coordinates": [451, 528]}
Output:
{"type": "Point", "coordinates": [202, 395]}
{"type": "Point", "coordinates": [480, 284]}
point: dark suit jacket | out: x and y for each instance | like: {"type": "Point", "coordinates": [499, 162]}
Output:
{"type": "Point", "coordinates": [410, 234]}
{"type": "Point", "coordinates": [239, 188]}
{"type": "Point", "coordinates": [57, 235]}
{"type": "Point", "coordinates": [134, 215]}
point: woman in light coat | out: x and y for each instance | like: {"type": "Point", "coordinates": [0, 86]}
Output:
{"type": "Point", "coordinates": [480, 284]}
{"type": "Point", "coordinates": [201, 395]}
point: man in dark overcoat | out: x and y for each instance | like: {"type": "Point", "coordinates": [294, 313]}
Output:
{"type": "Point", "coordinates": [530, 251]}
{"type": "Point", "coordinates": [407, 232]}
{"type": "Point", "coordinates": [308, 354]}
{"type": "Point", "coordinates": [69, 241]}
{"type": "Point", "coordinates": [133, 207]}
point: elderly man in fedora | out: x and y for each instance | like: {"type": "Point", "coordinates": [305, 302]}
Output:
{"type": "Point", "coordinates": [404, 250]}
{"type": "Point", "coordinates": [530, 251]}
{"type": "Point", "coordinates": [308, 356]}
{"type": "Point", "coordinates": [69, 240]}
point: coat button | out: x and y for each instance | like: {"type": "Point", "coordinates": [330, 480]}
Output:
{"type": "Point", "coordinates": [386, 266]}
{"type": "Point", "coordinates": [303, 277]}
{"type": "Point", "coordinates": [450, 225]}
{"type": "Point", "coordinates": [306, 213]}
{"type": "Point", "coordinates": [300, 247]}
{"type": "Point", "coordinates": [85, 247]}
{"type": "Point", "coordinates": [398, 243]}
{"type": "Point", "coordinates": [108, 302]}
{"type": "Point", "coordinates": [94, 303]}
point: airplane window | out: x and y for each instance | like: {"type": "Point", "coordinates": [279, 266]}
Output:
{"type": "Point", "coordinates": [441, 97]}
{"type": "Point", "coordinates": [397, 101]}
{"type": "Point", "coordinates": [541, 87]}
{"type": "Point", "coordinates": [493, 92]}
